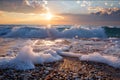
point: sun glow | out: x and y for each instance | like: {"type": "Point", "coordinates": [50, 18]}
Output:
{"type": "Point", "coordinates": [48, 16]}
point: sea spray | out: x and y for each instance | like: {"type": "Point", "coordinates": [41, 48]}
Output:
{"type": "Point", "coordinates": [26, 59]}
{"type": "Point", "coordinates": [107, 59]}
{"type": "Point", "coordinates": [53, 32]}
{"type": "Point", "coordinates": [39, 51]}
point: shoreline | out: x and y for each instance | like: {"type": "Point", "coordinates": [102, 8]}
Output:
{"type": "Point", "coordinates": [68, 68]}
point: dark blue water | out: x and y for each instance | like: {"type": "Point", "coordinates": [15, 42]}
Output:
{"type": "Point", "coordinates": [112, 32]}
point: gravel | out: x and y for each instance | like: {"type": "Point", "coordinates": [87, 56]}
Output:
{"type": "Point", "coordinates": [67, 69]}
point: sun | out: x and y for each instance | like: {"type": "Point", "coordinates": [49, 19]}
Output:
{"type": "Point", "coordinates": [48, 16]}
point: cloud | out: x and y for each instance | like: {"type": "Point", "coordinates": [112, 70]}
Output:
{"type": "Point", "coordinates": [1, 13]}
{"type": "Point", "coordinates": [96, 9]}
{"type": "Point", "coordinates": [91, 19]}
{"type": "Point", "coordinates": [22, 6]}
{"type": "Point", "coordinates": [106, 11]}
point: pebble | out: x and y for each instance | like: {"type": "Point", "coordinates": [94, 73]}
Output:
{"type": "Point", "coordinates": [48, 72]}
{"type": "Point", "coordinates": [75, 75]}
{"type": "Point", "coordinates": [49, 68]}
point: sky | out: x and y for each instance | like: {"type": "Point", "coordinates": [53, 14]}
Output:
{"type": "Point", "coordinates": [92, 12]}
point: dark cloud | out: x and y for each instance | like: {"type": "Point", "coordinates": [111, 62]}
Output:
{"type": "Point", "coordinates": [108, 12]}
{"type": "Point", "coordinates": [21, 6]}
{"type": "Point", "coordinates": [91, 19]}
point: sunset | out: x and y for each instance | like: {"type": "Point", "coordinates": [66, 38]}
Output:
{"type": "Point", "coordinates": [59, 39]}
{"type": "Point", "coordinates": [83, 12]}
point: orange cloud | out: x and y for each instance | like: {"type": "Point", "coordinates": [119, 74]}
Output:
{"type": "Point", "coordinates": [95, 8]}
{"type": "Point", "coordinates": [105, 11]}
{"type": "Point", "coordinates": [1, 13]}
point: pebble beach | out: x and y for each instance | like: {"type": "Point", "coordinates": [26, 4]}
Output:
{"type": "Point", "coordinates": [69, 68]}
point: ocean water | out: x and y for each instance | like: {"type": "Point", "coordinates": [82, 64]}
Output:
{"type": "Point", "coordinates": [23, 46]}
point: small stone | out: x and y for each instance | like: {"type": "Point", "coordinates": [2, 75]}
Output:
{"type": "Point", "coordinates": [49, 68]}
{"type": "Point", "coordinates": [77, 79]}
{"type": "Point", "coordinates": [40, 79]}
{"type": "Point", "coordinates": [98, 77]}
{"type": "Point", "coordinates": [46, 71]}
{"type": "Point", "coordinates": [75, 75]}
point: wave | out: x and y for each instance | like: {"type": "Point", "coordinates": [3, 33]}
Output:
{"type": "Point", "coordinates": [53, 32]}
{"type": "Point", "coordinates": [33, 52]}
{"type": "Point", "coordinates": [112, 31]}
{"type": "Point", "coordinates": [26, 59]}
{"type": "Point", "coordinates": [94, 45]}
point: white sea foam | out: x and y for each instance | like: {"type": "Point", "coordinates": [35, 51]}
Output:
{"type": "Point", "coordinates": [26, 59]}
{"type": "Point", "coordinates": [96, 57]}
{"type": "Point", "coordinates": [113, 50]}
{"type": "Point", "coordinates": [31, 52]}
{"type": "Point", "coordinates": [107, 59]}
{"type": "Point", "coordinates": [53, 32]}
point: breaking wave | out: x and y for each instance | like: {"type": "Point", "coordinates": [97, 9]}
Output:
{"type": "Point", "coordinates": [26, 59]}
{"type": "Point", "coordinates": [53, 32]}
{"type": "Point", "coordinates": [34, 52]}
{"type": "Point", "coordinates": [93, 44]}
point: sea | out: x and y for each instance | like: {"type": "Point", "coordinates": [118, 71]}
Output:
{"type": "Point", "coordinates": [23, 46]}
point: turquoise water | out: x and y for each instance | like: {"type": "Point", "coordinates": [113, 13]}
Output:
{"type": "Point", "coordinates": [112, 32]}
